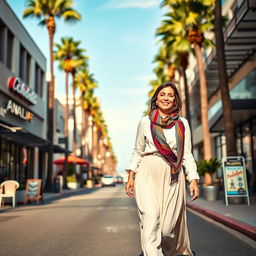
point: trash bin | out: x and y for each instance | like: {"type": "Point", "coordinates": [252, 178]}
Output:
{"type": "Point", "coordinates": [58, 184]}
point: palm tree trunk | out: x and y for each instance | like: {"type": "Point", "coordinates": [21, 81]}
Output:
{"type": "Point", "coordinates": [204, 103]}
{"type": "Point", "coordinates": [74, 115]}
{"type": "Point", "coordinates": [65, 171]}
{"type": "Point", "coordinates": [48, 186]}
{"type": "Point", "coordinates": [82, 138]}
{"type": "Point", "coordinates": [223, 83]}
{"type": "Point", "coordinates": [187, 102]}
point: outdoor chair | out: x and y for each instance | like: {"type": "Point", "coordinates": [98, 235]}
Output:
{"type": "Point", "coordinates": [8, 189]}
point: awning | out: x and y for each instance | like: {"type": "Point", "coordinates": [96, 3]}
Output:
{"type": "Point", "coordinates": [27, 139]}
{"type": "Point", "coordinates": [240, 45]}
{"type": "Point", "coordinates": [23, 137]}
{"type": "Point", "coordinates": [242, 111]}
{"type": "Point", "coordinates": [71, 159]}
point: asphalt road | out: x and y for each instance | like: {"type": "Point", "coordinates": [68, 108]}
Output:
{"type": "Point", "coordinates": [100, 222]}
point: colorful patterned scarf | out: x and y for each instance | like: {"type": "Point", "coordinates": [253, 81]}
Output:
{"type": "Point", "coordinates": [157, 125]}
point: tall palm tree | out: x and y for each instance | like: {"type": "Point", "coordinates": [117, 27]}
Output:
{"type": "Point", "coordinates": [84, 81]}
{"type": "Point", "coordinates": [47, 12]}
{"type": "Point", "coordinates": [223, 83]}
{"type": "Point", "coordinates": [178, 47]}
{"type": "Point", "coordinates": [80, 62]}
{"type": "Point", "coordinates": [65, 52]}
{"type": "Point", "coordinates": [189, 21]}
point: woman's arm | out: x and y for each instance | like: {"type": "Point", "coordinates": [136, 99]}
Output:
{"type": "Point", "coordinates": [138, 149]}
{"type": "Point", "coordinates": [129, 187]}
{"type": "Point", "coordinates": [135, 160]}
{"type": "Point", "coordinates": [188, 159]}
{"type": "Point", "coordinates": [190, 164]}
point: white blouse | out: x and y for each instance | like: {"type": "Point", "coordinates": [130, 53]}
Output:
{"type": "Point", "coordinates": [144, 144]}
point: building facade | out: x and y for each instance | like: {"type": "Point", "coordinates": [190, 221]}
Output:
{"type": "Point", "coordinates": [23, 102]}
{"type": "Point", "coordinates": [240, 51]}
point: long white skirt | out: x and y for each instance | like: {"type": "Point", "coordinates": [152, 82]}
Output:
{"type": "Point", "coordinates": [161, 209]}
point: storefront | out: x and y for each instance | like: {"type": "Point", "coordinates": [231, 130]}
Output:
{"type": "Point", "coordinates": [23, 105]}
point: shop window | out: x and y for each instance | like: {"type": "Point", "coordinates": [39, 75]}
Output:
{"type": "Point", "coordinates": [2, 41]}
{"type": "Point", "coordinates": [10, 44]}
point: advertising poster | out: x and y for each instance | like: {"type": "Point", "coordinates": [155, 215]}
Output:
{"type": "Point", "coordinates": [235, 178]}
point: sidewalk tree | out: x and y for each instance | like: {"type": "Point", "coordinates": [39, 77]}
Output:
{"type": "Point", "coordinates": [223, 82]}
{"type": "Point", "coordinates": [47, 12]}
{"type": "Point", "coordinates": [79, 62]}
{"type": "Point", "coordinates": [190, 20]}
{"type": "Point", "coordinates": [84, 81]}
{"type": "Point", "coordinates": [65, 53]}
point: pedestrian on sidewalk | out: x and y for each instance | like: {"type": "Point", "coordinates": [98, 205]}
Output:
{"type": "Point", "coordinates": [157, 178]}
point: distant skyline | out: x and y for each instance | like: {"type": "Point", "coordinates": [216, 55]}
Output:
{"type": "Point", "coordinates": [119, 38]}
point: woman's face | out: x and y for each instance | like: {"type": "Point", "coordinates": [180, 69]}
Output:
{"type": "Point", "coordinates": [165, 99]}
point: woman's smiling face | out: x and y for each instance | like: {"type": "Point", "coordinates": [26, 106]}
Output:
{"type": "Point", "coordinates": [165, 100]}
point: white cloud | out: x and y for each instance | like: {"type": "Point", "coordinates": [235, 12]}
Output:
{"type": "Point", "coordinates": [120, 4]}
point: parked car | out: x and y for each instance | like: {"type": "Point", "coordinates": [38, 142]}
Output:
{"type": "Point", "coordinates": [119, 179]}
{"type": "Point", "coordinates": [108, 180]}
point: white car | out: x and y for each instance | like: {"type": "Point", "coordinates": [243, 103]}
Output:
{"type": "Point", "coordinates": [108, 180]}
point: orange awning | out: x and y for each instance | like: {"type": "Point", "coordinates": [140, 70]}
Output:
{"type": "Point", "coordinates": [72, 159]}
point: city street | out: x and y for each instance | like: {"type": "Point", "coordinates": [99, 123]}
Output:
{"type": "Point", "coordinates": [102, 222]}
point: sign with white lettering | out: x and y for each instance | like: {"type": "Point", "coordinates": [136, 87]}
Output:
{"type": "Point", "coordinates": [235, 177]}
{"type": "Point", "coordinates": [17, 110]}
{"type": "Point", "coordinates": [22, 90]}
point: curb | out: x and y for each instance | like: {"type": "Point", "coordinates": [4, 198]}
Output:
{"type": "Point", "coordinates": [57, 195]}
{"type": "Point", "coordinates": [241, 227]}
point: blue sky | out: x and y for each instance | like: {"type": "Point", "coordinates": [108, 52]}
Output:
{"type": "Point", "coordinates": [119, 36]}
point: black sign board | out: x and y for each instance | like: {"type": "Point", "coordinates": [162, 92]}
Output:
{"type": "Point", "coordinates": [33, 190]}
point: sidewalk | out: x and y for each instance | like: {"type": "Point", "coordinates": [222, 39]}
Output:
{"type": "Point", "coordinates": [239, 217]}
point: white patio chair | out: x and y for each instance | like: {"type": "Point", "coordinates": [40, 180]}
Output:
{"type": "Point", "coordinates": [8, 189]}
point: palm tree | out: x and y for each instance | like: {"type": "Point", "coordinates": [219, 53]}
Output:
{"type": "Point", "coordinates": [46, 12]}
{"type": "Point", "coordinates": [223, 82]}
{"type": "Point", "coordinates": [65, 53]}
{"type": "Point", "coordinates": [190, 19]}
{"type": "Point", "coordinates": [84, 81]}
{"type": "Point", "coordinates": [178, 47]}
{"type": "Point", "coordinates": [79, 63]}
{"type": "Point", "coordinates": [201, 22]}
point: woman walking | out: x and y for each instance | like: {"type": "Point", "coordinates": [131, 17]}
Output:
{"type": "Point", "coordinates": [157, 178]}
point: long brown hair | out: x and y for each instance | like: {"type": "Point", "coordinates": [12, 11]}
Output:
{"type": "Point", "coordinates": [177, 105]}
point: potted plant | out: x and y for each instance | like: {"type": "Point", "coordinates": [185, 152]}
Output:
{"type": "Point", "coordinates": [72, 182]}
{"type": "Point", "coordinates": [207, 168]}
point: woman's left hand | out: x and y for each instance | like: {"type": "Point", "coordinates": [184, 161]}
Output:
{"type": "Point", "coordinates": [194, 190]}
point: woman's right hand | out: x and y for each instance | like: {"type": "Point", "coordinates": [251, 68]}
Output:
{"type": "Point", "coordinates": [129, 187]}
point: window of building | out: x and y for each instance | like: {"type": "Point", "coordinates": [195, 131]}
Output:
{"type": "Point", "coordinates": [25, 66]}
{"type": "Point", "coordinates": [10, 44]}
{"type": "Point", "coordinates": [16, 162]}
{"type": "Point", "coordinates": [39, 80]}
{"type": "Point", "coordinates": [2, 41]}
{"type": "Point", "coordinates": [22, 71]}
{"type": "Point", "coordinates": [28, 69]}
{"type": "Point", "coordinates": [246, 88]}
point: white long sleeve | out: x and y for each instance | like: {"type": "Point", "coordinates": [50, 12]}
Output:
{"type": "Point", "coordinates": [138, 148]}
{"type": "Point", "coordinates": [144, 144]}
{"type": "Point", "coordinates": [188, 160]}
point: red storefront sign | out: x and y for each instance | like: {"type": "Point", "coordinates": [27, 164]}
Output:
{"type": "Point", "coordinates": [22, 89]}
